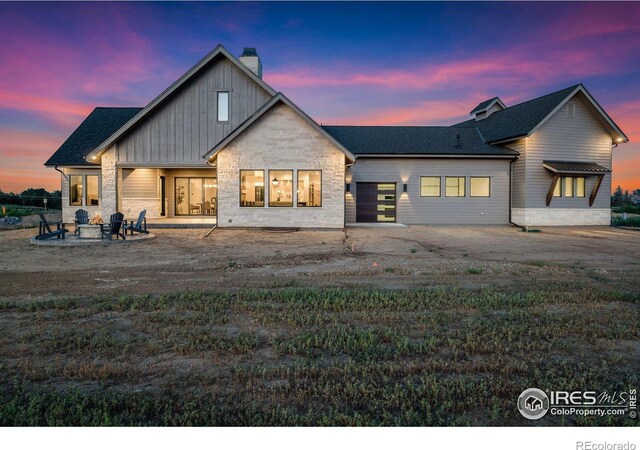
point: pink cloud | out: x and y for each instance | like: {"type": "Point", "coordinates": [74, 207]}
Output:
{"type": "Point", "coordinates": [63, 112]}
{"type": "Point", "coordinates": [23, 155]}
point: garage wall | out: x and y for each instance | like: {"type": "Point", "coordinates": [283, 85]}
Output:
{"type": "Point", "coordinates": [413, 209]}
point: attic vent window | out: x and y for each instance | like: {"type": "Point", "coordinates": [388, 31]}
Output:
{"type": "Point", "coordinates": [223, 106]}
{"type": "Point", "coordinates": [571, 109]}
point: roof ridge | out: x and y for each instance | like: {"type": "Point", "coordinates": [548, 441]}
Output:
{"type": "Point", "coordinates": [542, 96]}
{"type": "Point", "coordinates": [118, 107]}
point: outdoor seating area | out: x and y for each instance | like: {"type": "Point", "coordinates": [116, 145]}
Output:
{"type": "Point", "coordinates": [93, 231]}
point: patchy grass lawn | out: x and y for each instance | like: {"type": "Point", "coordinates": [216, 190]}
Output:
{"type": "Point", "coordinates": [312, 356]}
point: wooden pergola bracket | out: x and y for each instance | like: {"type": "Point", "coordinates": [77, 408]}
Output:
{"type": "Point", "coordinates": [596, 187]}
{"type": "Point", "coordinates": [554, 182]}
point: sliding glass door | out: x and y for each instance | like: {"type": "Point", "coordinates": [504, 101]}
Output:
{"type": "Point", "coordinates": [196, 196]}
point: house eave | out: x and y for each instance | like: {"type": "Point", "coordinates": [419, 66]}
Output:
{"type": "Point", "coordinates": [439, 155]}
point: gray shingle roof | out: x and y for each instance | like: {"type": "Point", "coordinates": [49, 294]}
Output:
{"type": "Point", "coordinates": [93, 131]}
{"type": "Point", "coordinates": [484, 105]}
{"type": "Point", "coordinates": [383, 140]}
{"type": "Point", "coordinates": [575, 167]}
{"type": "Point", "coordinates": [518, 120]}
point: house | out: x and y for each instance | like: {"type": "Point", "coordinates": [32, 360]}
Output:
{"type": "Point", "coordinates": [222, 144]}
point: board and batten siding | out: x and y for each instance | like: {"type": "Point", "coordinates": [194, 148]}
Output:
{"type": "Point", "coordinates": [413, 209]}
{"type": "Point", "coordinates": [565, 137]}
{"type": "Point", "coordinates": [185, 126]}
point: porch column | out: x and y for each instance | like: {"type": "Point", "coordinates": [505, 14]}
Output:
{"type": "Point", "coordinates": [110, 183]}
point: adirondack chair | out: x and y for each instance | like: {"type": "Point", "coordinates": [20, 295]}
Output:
{"type": "Point", "coordinates": [45, 232]}
{"type": "Point", "coordinates": [114, 227]}
{"type": "Point", "coordinates": [82, 218]}
{"type": "Point", "coordinates": [139, 226]}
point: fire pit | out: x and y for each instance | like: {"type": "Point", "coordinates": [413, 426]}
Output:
{"type": "Point", "coordinates": [90, 231]}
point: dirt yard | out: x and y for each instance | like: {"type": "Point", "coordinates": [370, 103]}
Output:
{"type": "Point", "coordinates": [390, 326]}
{"type": "Point", "coordinates": [418, 256]}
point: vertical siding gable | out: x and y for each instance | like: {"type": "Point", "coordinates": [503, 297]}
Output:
{"type": "Point", "coordinates": [569, 138]}
{"type": "Point", "coordinates": [185, 127]}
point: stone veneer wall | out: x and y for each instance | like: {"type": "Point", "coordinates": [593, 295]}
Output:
{"type": "Point", "coordinates": [110, 183]}
{"type": "Point", "coordinates": [560, 217]}
{"type": "Point", "coordinates": [281, 140]}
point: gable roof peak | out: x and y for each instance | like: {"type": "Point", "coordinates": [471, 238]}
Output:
{"type": "Point", "coordinates": [219, 50]}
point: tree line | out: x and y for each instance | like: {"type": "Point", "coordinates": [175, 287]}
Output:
{"type": "Point", "coordinates": [33, 197]}
{"type": "Point", "coordinates": [623, 200]}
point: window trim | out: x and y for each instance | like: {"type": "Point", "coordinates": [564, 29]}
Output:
{"type": "Point", "coordinates": [465, 186]}
{"type": "Point", "coordinates": [561, 190]}
{"type": "Point", "coordinates": [479, 196]}
{"type": "Point", "coordinates": [439, 177]}
{"type": "Point", "coordinates": [292, 187]}
{"type": "Point", "coordinates": [298, 183]}
{"type": "Point", "coordinates": [584, 190]}
{"type": "Point", "coordinates": [240, 188]}
{"type": "Point", "coordinates": [218, 106]}
{"type": "Point", "coordinates": [86, 190]}
{"type": "Point", "coordinates": [83, 199]}
{"type": "Point", "coordinates": [572, 184]}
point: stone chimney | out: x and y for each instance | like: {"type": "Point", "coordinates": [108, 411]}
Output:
{"type": "Point", "coordinates": [251, 59]}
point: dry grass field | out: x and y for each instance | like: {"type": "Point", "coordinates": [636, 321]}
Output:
{"type": "Point", "coordinates": [418, 326]}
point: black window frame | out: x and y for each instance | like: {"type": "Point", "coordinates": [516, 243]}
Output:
{"type": "Point", "coordinates": [297, 186]}
{"type": "Point", "coordinates": [479, 196]}
{"type": "Point", "coordinates": [270, 186]}
{"type": "Point", "coordinates": [455, 196]}
{"type": "Point", "coordinates": [218, 106]}
{"type": "Point", "coordinates": [439, 177]}
{"type": "Point", "coordinates": [264, 190]}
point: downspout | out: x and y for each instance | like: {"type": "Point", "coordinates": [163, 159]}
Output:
{"type": "Point", "coordinates": [63, 176]}
{"type": "Point", "coordinates": [218, 195]}
{"type": "Point", "coordinates": [511, 192]}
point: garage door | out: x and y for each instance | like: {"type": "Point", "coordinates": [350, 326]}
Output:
{"type": "Point", "coordinates": [375, 202]}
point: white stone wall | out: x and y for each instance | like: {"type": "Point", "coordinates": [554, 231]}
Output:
{"type": "Point", "coordinates": [560, 217]}
{"type": "Point", "coordinates": [131, 207]}
{"type": "Point", "coordinates": [281, 140]}
{"type": "Point", "coordinates": [110, 183]}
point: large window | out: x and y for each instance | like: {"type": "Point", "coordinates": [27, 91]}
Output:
{"type": "Point", "coordinates": [92, 190]}
{"type": "Point", "coordinates": [196, 196]}
{"type": "Point", "coordinates": [480, 186]}
{"type": "Point", "coordinates": [568, 186]}
{"type": "Point", "coordinates": [429, 186]}
{"type": "Point", "coordinates": [223, 106]}
{"type": "Point", "coordinates": [75, 190]}
{"type": "Point", "coordinates": [454, 186]}
{"type": "Point", "coordinates": [309, 188]}
{"type": "Point", "coordinates": [84, 190]}
{"type": "Point", "coordinates": [580, 187]}
{"type": "Point", "coordinates": [280, 188]}
{"type": "Point", "coordinates": [252, 188]}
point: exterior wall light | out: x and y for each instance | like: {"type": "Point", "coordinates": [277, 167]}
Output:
{"type": "Point", "coordinates": [404, 188]}
{"type": "Point", "coordinates": [348, 187]}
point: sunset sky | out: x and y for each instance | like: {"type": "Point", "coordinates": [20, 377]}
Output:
{"type": "Point", "coordinates": [342, 63]}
